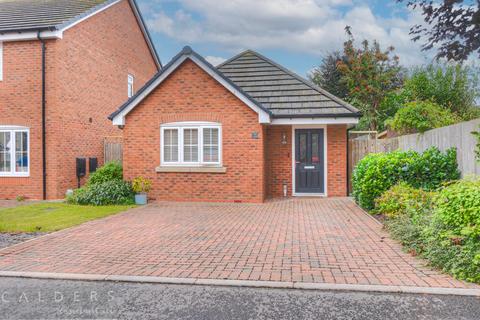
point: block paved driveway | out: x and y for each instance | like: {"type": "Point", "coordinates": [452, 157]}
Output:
{"type": "Point", "coordinates": [308, 240]}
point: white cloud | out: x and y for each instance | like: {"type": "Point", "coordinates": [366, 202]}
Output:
{"type": "Point", "coordinates": [215, 60]}
{"type": "Point", "coordinates": [305, 26]}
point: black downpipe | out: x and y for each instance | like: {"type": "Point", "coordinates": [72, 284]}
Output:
{"type": "Point", "coordinates": [44, 126]}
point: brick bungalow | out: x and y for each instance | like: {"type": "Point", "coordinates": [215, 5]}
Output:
{"type": "Point", "coordinates": [244, 131]}
{"type": "Point", "coordinates": [65, 65]}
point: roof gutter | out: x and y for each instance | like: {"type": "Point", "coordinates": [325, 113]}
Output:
{"type": "Point", "coordinates": [30, 34]}
{"type": "Point", "coordinates": [44, 124]}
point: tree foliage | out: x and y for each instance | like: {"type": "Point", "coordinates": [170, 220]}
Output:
{"type": "Point", "coordinates": [370, 74]}
{"type": "Point", "coordinates": [453, 87]}
{"type": "Point", "coordinates": [452, 26]}
{"type": "Point", "coordinates": [420, 116]}
{"type": "Point", "coordinates": [328, 77]}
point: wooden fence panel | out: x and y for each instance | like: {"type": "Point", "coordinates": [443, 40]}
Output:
{"type": "Point", "coordinates": [457, 135]}
{"type": "Point", "coordinates": [113, 149]}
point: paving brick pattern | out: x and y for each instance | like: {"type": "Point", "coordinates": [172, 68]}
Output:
{"type": "Point", "coordinates": [307, 240]}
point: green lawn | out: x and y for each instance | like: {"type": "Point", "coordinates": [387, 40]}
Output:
{"type": "Point", "coordinates": [52, 216]}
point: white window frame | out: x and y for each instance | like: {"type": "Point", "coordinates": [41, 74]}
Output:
{"type": "Point", "coordinates": [180, 126]}
{"type": "Point", "coordinates": [130, 87]}
{"type": "Point", "coordinates": [1, 61]}
{"type": "Point", "coordinates": [13, 130]}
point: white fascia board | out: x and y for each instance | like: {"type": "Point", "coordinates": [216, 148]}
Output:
{"type": "Point", "coordinates": [89, 15]}
{"type": "Point", "coordinates": [119, 119]}
{"type": "Point", "coordinates": [30, 35]}
{"type": "Point", "coordinates": [297, 121]}
{"type": "Point", "coordinates": [263, 116]}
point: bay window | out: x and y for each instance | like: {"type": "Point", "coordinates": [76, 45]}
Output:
{"type": "Point", "coordinates": [14, 151]}
{"type": "Point", "coordinates": [191, 144]}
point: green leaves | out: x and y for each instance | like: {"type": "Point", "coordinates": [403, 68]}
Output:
{"type": "Point", "coordinates": [476, 134]}
{"type": "Point", "coordinates": [104, 187]}
{"type": "Point", "coordinates": [452, 87]}
{"type": "Point", "coordinates": [377, 172]}
{"type": "Point", "coordinates": [420, 116]}
{"type": "Point", "coordinates": [109, 171]}
{"type": "Point", "coordinates": [105, 193]}
{"type": "Point", "coordinates": [443, 226]}
{"type": "Point", "coordinates": [370, 75]}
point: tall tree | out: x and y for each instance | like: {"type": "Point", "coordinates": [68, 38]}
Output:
{"type": "Point", "coordinates": [370, 74]}
{"type": "Point", "coordinates": [451, 25]}
{"type": "Point", "coordinates": [328, 77]}
{"type": "Point", "coordinates": [454, 87]}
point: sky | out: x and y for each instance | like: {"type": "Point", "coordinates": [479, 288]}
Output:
{"type": "Point", "coordinates": [294, 33]}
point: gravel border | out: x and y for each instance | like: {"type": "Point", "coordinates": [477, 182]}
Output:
{"type": "Point", "coordinates": [8, 239]}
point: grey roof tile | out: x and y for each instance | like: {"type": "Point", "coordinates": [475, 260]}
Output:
{"type": "Point", "coordinates": [18, 15]}
{"type": "Point", "coordinates": [281, 91]}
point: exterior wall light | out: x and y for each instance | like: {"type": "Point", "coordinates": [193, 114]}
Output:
{"type": "Point", "coordinates": [284, 138]}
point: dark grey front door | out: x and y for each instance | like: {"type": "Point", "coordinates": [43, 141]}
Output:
{"type": "Point", "coordinates": [309, 161]}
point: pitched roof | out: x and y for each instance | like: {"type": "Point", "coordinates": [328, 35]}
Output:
{"type": "Point", "coordinates": [16, 15]}
{"type": "Point", "coordinates": [187, 53]}
{"type": "Point", "coordinates": [284, 93]}
{"type": "Point", "coordinates": [19, 16]}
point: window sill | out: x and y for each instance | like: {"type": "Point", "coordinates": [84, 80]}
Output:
{"type": "Point", "coordinates": [191, 169]}
{"type": "Point", "coordinates": [14, 175]}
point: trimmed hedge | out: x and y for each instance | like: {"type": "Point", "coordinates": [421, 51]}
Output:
{"type": "Point", "coordinates": [378, 172]}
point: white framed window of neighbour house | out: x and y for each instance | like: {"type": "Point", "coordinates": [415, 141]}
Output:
{"type": "Point", "coordinates": [130, 88]}
{"type": "Point", "coordinates": [14, 151]}
{"type": "Point", "coordinates": [195, 144]}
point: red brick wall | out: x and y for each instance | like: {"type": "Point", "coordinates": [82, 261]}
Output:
{"type": "Point", "coordinates": [190, 94]}
{"type": "Point", "coordinates": [86, 81]}
{"type": "Point", "coordinates": [279, 161]}
{"type": "Point", "coordinates": [337, 160]}
{"type": "Point", "coordinates": [20, 105]}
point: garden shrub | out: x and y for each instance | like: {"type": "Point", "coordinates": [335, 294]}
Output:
{"type": "Point", "coordinates": [441, 226]}
{"type": "Point", "coordinates": [105, 193]}
{"type": "Point", "coordinates": [408, 228]}
{"type": "Point", "coordinates": [402, 199]}
{"type": "Point", "coordinates": [420, 116]}
{"type": "Point", "coordinates": [458, 207]}
{"type": "Point", "coordinates": [378, 172]}
{"type": "Point", "coordinates": [453, 237]}
{"type": "Point", "coordinates": [407, 211]}
{"type": "Point", "coordinates": [108, 172]}
{"type": "Point", "coordinates": [432, 168]}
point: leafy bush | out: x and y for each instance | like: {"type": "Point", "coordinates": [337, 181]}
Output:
{"type": "Point", "coordinates": [458, 207]}
{"type": "Point", "coordinates": [443, 227]}
{"type": "Point", "coordinates": [408, 227]}
{"type": "Point", "coordinates": [420, 116]}
{"type": "Point", "coordinates": [108, 172]}
{"type": "Point", "coordinates": [452, 241]}
{"type": "Point", "coordinates": [453, 87]}
{"type": "Point", "coordinates": [432, 168]}
{"type": "Point", "coordinates": [402, 199]}
{"type": "Point", "coordinates": [105, 193]}
{"type": "Point", "coordinates": [457, 256]}
{"type": "Point", "coordinates": [407, 212]}
{"type": "Point", "coordinates": [378, 172]}
{"type": "Point", "coordinates": [476, 134]}
{"type": "Point", "coordinates": [141, 185]}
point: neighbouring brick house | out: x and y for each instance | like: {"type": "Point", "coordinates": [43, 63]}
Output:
{"type": "Point", "coordinates": [96, 53]}
{"type": "Point", "coordinates": [244, 131]}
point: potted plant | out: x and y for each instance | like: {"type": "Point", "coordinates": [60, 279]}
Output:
{"type": "Point", "coordinates": [141, 187]}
